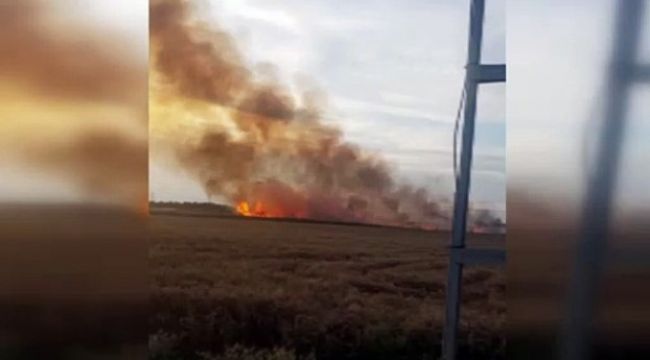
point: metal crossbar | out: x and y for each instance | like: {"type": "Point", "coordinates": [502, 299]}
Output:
{"type": "Point", "coordinates": [477, 73]}
{"type": "Point", "coordinates": [641, 73]}
{"type": "Point", "coordinates": [485, 74]}
{"type": "Point", "coordinates": [478, 256]}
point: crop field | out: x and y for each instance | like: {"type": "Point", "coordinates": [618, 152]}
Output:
{"type": "Point", "coordinates": [73, 283]}
{"type": "Point", "coordinates": [235, 288]}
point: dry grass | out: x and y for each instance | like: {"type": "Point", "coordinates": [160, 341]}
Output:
{"type": "Point", "coordinates": [230, 288]}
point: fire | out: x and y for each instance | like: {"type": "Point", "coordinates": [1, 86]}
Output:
{"type": "Point", "coordinates": [244, 208]}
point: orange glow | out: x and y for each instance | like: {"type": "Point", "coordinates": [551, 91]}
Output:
{"type": "Point", "coordinates": [243, 208]}
{"type": "Point", "coordinates": [143, 207]}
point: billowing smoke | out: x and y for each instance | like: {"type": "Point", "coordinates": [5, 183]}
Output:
{"type": "Point", "coordinates": [250, 140]}
{"type": "Point", "coordinates": [74, 101]}
{"type": "Point", "coordinates": [484, 220]}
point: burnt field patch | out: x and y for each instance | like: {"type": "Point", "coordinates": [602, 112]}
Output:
{"type": "Point", "coordinates": [233, 289]}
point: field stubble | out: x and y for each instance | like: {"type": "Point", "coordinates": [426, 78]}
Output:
{"type": "Point", "coordinates": [228, 288]}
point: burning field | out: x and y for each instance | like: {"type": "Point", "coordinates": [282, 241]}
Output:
{"type": "Point", "coordinates": [263, 147]}
{"type": "Point", "coordinates": [233, 287]}
{"type": "Point", "coordinates": [284, 263]}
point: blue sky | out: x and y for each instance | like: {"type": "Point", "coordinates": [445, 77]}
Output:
{"type": "Point", "coordinates": [392, 72]}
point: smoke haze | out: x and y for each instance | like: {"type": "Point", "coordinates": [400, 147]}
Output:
{"type": "Point", "coordinates": [74, 102]}
{"type": "Point", "coordinates": [246, 138]}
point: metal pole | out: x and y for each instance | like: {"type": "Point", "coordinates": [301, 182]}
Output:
{"type": "Point", "coordinates": [592, 244]}
{"type": "Point", "coordinates": [461, 195]}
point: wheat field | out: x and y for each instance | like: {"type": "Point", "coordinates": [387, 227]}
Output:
{"type": "Point", "coordinates": [234, 288]}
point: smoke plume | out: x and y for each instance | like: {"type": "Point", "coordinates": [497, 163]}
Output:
{"type": "Point", "coordinates": [74, 101]}
{"type": "Point", "coordinates": [250, 140]}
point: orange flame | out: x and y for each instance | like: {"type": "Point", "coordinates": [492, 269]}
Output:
{"type": "Point", "coordinates": [243, 208]}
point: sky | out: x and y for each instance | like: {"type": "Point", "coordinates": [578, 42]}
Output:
{"type": "Point", "coordinates": [392, 72]}
{"type": "Point", "coordinates": [558, 53]}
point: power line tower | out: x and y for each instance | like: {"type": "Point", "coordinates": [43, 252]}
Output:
{"type": "Point", "coordinates": [622, 74]}
{"type": "Point", "coordinates": [475, 74]}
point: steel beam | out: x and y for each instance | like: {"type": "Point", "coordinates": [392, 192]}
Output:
{"type": "Point", "coordinates": [476, 74]}
{"type": "Point", "coordinates": [461, 197]}
{"type": "Point", "coordinates": [488, 257]}
{"type": "Point", "coordinates": [596, 212]}
{"type": "Point", "coordinates": [641, 73]}
{"type": "Point", "coordinates": [484, 74]}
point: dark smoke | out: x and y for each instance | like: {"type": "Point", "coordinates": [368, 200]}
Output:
{"type": "Point", "coordinates": [99, 162]}
{"type": "Point", "coordinates": [280, 152]}
{"type": "Point", "coordinates": [80, 65]}
{"type": "Point", "coordinates": [82, 102]}
{"type": "Point", "coordinates": [486, 221]}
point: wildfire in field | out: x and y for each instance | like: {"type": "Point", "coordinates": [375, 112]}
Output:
{"type": "Point", "coordinates": [243, 208]}
{"type": "Point", "coordinates": [244, 136]}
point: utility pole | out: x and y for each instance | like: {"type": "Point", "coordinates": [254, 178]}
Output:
{"type": "Point", "coordinates": [476, 73]}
